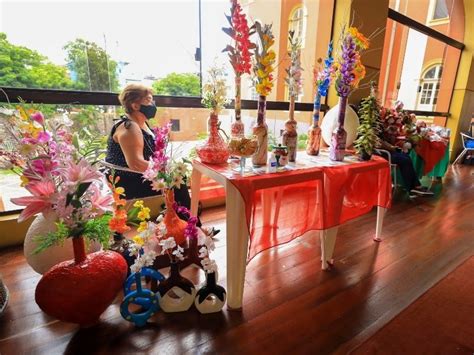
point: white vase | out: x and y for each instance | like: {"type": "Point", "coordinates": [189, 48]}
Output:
{"type": "Point", "coordinates": [330, 122]}
{"type": "Point", "coordinates": [43, 261]}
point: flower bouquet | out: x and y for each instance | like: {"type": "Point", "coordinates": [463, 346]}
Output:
{"type": "Point", "coordinates": [54, 169]}
{"type": "Point", "coordinates": [214, 150]}
{"type": "Point", "coordinates": [323, 79]}
{"type": "Point", "coordinates": [264, 60]}
{"type": "Point", "coordinates": [243, 147]}
{"type": "Point", "coordinates": [239, 56]}
{"type": "Point", "coordinates": [349, 71]}
{"type": "Point", "coordinates": [294, 82]}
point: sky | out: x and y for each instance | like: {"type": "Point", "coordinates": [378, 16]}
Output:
{"type": "Point", "coordinates": [155, 36]}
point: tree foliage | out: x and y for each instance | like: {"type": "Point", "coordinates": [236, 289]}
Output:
{"type": "Point", "coordinates": [178, 84]}
{"type": "Point", "coordinates": [91, 66]}
{"type": "Point", "coordinates": [23, 67]}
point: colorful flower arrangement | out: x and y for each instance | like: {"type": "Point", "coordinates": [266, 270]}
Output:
{"type": "Point", "coordinates": [264, 60]}
{"type": "Point", "coordinates": [163, 171]}
{"type": "Point", "coordinates": [349, 69]}
{"type": "Point", "coordinates": [215, 90]}
{"type": "Point", "coordinates": [325, 73]}
{"type": "Point", "coordinates": [396, 122]}
{"type": "Point", "coordinates": [294, 72]}
{"type": "Point", "coordinates": [240, 32]}
{"type": "Point", "coordinates": [53, 167]}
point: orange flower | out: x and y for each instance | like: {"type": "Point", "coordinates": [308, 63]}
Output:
{"type": "Point", "coordinates": [119, 225]}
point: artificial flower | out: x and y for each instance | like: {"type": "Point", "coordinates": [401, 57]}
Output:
{"type": "Point", "coordinates": [264, 60]}
{"type": "Point", "coordinates": [42, 199]}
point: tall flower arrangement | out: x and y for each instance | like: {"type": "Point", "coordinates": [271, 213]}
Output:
{"type": "Point", "coordinates": [239, 56]}
{"type": "Point", "coordinates": [367, 132]}
{"type": "Point", "coordinates": [323, 78]}
{"type": "Point", "coordinates": [349, 72]}
{"type": "Point", "coordinates": [264, 60]}
{"type": "Point", "coordinates": [294, 82]}
{"type": "Point", "coordinates": [214, 150]}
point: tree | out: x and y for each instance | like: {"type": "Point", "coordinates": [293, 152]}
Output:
{"type": "Point", "coordinates": [22, 67]}
{"type": "Point", "coordinates": [91, 66]}
{"type": "Point", "coordinates": [178, 84]}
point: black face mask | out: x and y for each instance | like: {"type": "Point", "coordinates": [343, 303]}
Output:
{"type": "Point", "coordinates": [149, 111]}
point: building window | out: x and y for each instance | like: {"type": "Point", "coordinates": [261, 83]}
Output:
{"type": "Point", "coordinates": [429, 88]}
{"type": "Point", "coordinates": [297, 23]}
{"type": "Point", "coordinates": [440, 10]}
{"type": "Point", "coordinates": [175, 125]}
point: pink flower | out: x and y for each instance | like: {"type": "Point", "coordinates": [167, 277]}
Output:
{"type": "Point", "coordinates": [43, 137]}
{"type": "Point", "coordinates": [101, 202]}
{"type": "Point", "coordinates": [38, 117]}
{"type": "Point", "coordinates": [75, 174]}
{"type": "Point", "coordinates": [42, 200]}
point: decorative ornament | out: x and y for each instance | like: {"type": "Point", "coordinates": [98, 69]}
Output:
{"type": "Point", "coordinates": [80, 290]}
{"type": "Point", "coordinates": [143, 297]}
{"type": "Point", "coordinates": [348, 75]}
{"type": "Point", "coordinates": [239, 57]}
{"type": "Point", "coordinates": [263, 79]}
{"type": "Point", "coordinates": [211, 297]}
{"type": "Point", "coordinates": [323, 80]}
{"type": "Point", "coordinates": [294, 82]}
{"type": "Point", "coordinates": [176, 292]}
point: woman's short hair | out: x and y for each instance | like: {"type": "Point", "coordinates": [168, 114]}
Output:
{"type": "Point", "coordinates": [133, 93]}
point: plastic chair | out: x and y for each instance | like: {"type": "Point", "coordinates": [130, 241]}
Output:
{"type": "Point", "coordinates": [468, 144]}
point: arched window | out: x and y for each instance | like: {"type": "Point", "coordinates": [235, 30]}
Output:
{"type": "Point", "coordinates": [429, 87]}
{"type": "Point", "coordinates": [297, 23]}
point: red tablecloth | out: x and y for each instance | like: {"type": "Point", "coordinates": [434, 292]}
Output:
{"type": "Point", "coordinates": [431, 153]}
{"type": "Point", "coordinates": [313, 198]}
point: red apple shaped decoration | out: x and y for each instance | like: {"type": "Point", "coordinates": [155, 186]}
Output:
{"type": "Point", "coordinates": [80, 290]}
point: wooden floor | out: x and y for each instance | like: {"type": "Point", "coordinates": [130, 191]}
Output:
{"type": "Point", "coordinates": [290, 305]}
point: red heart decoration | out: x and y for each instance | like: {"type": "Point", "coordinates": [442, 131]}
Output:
{"type": "Point", "coordinates": [80, 293]}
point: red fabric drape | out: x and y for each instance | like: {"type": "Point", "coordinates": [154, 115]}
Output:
{"type": "Point", "coordinates": [309, 199]}
{"type": "Point", "coordinates": [431, 152]}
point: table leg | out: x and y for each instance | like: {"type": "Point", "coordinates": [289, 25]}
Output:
{"type": "Point", "coordinates": [195, 190]}
{"type": "Point", "coordinates": [237, 246]}
{"type": "Point", "coordinates": [267, 199]}
{"type": "Point", "coordinates": [328, 241]}
{"type": "Point", "coordinates": [378, 228]}
{"type": "Point", "coordinates": [277, 206]}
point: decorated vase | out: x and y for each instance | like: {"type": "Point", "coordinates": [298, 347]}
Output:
{"type": "Point", "coordinates": [175, 226]}
{"type": "Point", "coordinates": [214, 150]}
{"type": "Point", "coordinates": [80, 290]}
{"type": "Point", "coordinates": [46, 259]}
{"type": "Point", "coordinates": [177, 293]}
{"type": "Point", "coordinates": [237, 128]}
{"type": "Point", "coordinates": [260, 130]}
{"type": "Point", "coordinates": [331, 122]}
{"type": "Point", "coordinates": [290, 140]}
{"type": "Point", "coordinates": [211, 297]}
{"type": "Point", "coordinates": [314, 132]}
{"type": "Point", "coordinates": [337, 147]}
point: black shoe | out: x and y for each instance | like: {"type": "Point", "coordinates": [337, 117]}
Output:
{"type": "Point", "coordinates": [422, 191]}
{"type": "Point", "coordinates": [213, 232]}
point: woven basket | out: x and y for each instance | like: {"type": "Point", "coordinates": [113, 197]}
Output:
{"type": "Point", "coordinates": [3, 297]}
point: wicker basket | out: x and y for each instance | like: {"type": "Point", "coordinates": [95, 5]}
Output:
{"type": "Point", "coordinates": [3, 297]}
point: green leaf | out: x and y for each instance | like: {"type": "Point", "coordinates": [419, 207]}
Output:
{"type": "Point", "coordinates": [82, 188]}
